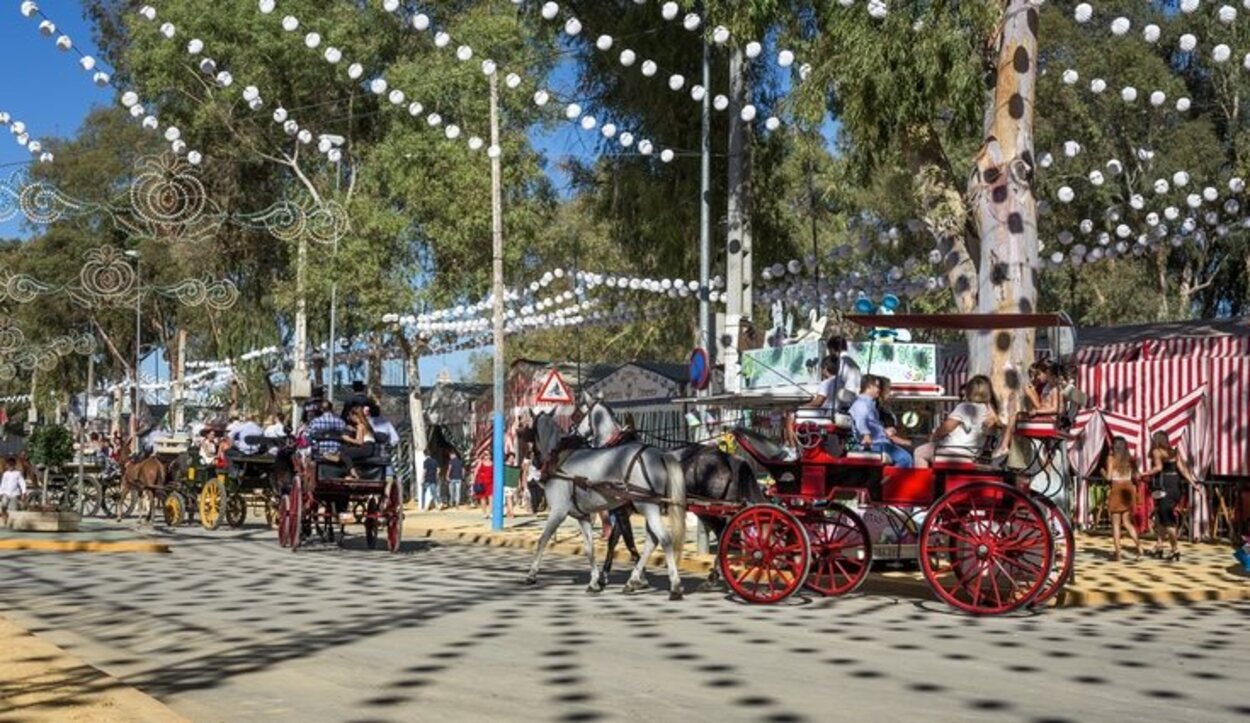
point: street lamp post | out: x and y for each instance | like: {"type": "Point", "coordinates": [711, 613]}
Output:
{"type": "Point", "coordinates": [330, 144]}
{"type": "Point", "coordinates": [497, 291]}
{"type": "Point", "coordinates": [134, 402]}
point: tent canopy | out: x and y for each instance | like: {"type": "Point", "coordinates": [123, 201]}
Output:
{"type": "Point", "coordinates": [960, 322]}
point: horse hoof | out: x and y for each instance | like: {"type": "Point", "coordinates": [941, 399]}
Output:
{"type": "Point", "coordinates": [634, 586]}
{"type": "Point", "coordinates": [675, 595]}
{"type": "Point", "coordinates": [709, 586]}
{"type": "Point", "coordinates": [593, 589]}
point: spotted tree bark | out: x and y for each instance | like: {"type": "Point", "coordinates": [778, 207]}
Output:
{"type": "Point", "coordinates": [1004, 209]}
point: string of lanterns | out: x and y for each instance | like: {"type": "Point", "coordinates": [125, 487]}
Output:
{"type": "Point", "coordinates": [47, 28]}
{"type": "Point", "coordinates": [1186, 43]}
{"type": "Point", "coordinates": [24, 139]}
{"type": "Point", "coordinates": [224, 79]}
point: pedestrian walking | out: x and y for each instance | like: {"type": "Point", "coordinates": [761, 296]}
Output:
{"type": "Point", "coordinates": [429, 485]}
{"type": "Point", "coordinates": [455, 479]}
{"type": "Point", "coordinates": [1122, 498]}
{"type": "Point", "coordinates": [1168, 469]}
{"type": "Point", "coordinates": [12, 488]}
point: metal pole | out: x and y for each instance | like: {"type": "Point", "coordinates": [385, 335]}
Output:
{"type": "Point", "coordinates": [134, 409]}
{"type": "Point", "coordinates": [334, 292]}
{"type": "Point", "coordinates": [496, 208]}
{"type": "Point", "coordinates": [736, 272]}
{"type": "Point", "coordinates": [299, 372]}
{"type": "Point", "coordinates": [82, 428]}
{"type": "Point", "coordinates": [706, 324]}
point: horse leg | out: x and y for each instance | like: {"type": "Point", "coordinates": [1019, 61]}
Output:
{"type": "Point", "coordinates": [622, 523]}
{"type": "Point", "coordinates": [713, 583]}
{"type": "Point", "coordinates": [588, 537]}
{"type": "Point", "coordinates": [638, 579]}
{"type": "Point", "coordinates": [607, 561]}
{"type": "Point", "coordinates": [559, 509]}
{"type": "Point", "coordinates": [655, 524]}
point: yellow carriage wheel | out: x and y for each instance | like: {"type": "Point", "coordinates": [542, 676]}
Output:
{"type": "Point", "coordinates": [212, 504]}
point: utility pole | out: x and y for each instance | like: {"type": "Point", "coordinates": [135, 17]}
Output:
{"type": "Point", "coordinates": [82, 428]}
{"type": "Point", "coordinates": [301, 387]}
{"type": "Point", "coordinates": [334, 292]}
{"type": "Point", "coordinates": [497, 292]}
{"type": "Point", "coordinates": [737, 272]}
{"type": "Point", "coordinates": [179, 382]}
{"type": "Point", "coordinates": [134, 402]}
{"type": "Point", "coordinates": [707, 325]}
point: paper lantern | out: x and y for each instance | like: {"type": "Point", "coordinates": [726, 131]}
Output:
{"type": "Point", "coordinates": [773, 123]}
{"type": "Point", "coordinates": [1236, 185]}
{"type": "Point", "coordinates": [1193, 200]}
{"type": "Point", "coordinates": [785, 58]}
{"type": "Point", "coordinates": [1120, 26]}
{"type": "Point", "coordinates": [1071, 148]}
{"type": "Point", "coordinates": [720, 102]}
{"type": "Point", "coordinates": [415, 109]}
{"type": "Point", "coordinates": [279, 115]}
{"type": "Point", "coordinates": [475, 143]}
{"type": "Point", "coordinates": [150, 122]}
{"type": "Point", "coordinates": [1137, 201]}
{"type": "Point", "coordinates": [588, 123]}
{"type": "Point", "coordinates": [452, 131]}
{"type": "Point", "coordinates": [434, 120]}
{"type": "Point", "coordinates": [697, 93]}
{"type": "Point", "coordinates": [541, 97]}
{"type": "Point", "coordinates": [1227, 14]}
{"type": "Point", "coordinates": [550, 10]}
{"type": "Point", "coordinates": [290, 23]}
{"type": "Point", "coordinates": [1182, 104]}
{"type": "Point", "coordinates": [604, 42]}
{"type": "Point", "coordinates": [441, 39]}
{"type": "Point", "coordinates": [464, 53]}
{"type": "Point", "coordinates": [172, 134]}
{"type": "Point", "coordinates": [1083, 13]}
{"type": "Point", "coordinates": [1045, 160]}
{"type": "Point", "coordinates": [28, 8]}
{"type": "Point", "coordinates": [667, 155]}
{"type": "Point", "coordinates": [649, 68]}
{"type": "Point", "coordinates": [1221, 53]}
{"type": "Point", "coordinates": [669, 10]}
{"type": "Point", "coordinates": [101, 79]}
{"type": "Point", "coordinates": [1114, 167]}
{"type": "Point", "coordinates": [396, 97]}
{"type": "Point", "coordinates": [572, 111]}
{"type": "Point", "coordinates": [312, 40]}
{"type": "Point", "coordinates": [608, 130]}
{"type": "Point", "coordinates": [225, 79]}
{"type": "Point", "coordinates": [627, 57]}
{"type": "Point", "coordinates": [1129, 94]}
{"type": "Point", "coordinates": [1096, 178]}
{"type": "Point", "coordinates": [720, 35]}
{"type": "Point", "coordinates": [390, 6]}
{"type": "Point", "coordinates": [748, 113]}
{"type": "Point", "coordinates": [1189, 6]}
{"type": "Point", "coordinates": [1097, 85]}
{"type": "Point", "coordinates": [645, 147]}
{"type": "Point", "coordinates": [1070, 77]}
{"type": "Point", "coordinates": [137, 111]}
{"type": "Point", "coordinates": [355, 70]}
{"type": "Point", "coordinates": [1171, 213]}
{"type": "Point", "coordinates": [691, 22]}
{"type": "Point", "coordinates": [877, 9]}
{"type": "Point", "coordinates": [1150, 33]}
{"type": "Point", "coordinates": [1188, 42]}
{"type": "Point", "coordinates": [333, 55]}
{"type": "Point", "coordinates": [1157, 98]}
{"type": "Point", "coordinates": [573, 27]}
{"type": "Point", "coordinates": [1066, 194]}
{"type": "Point", "coordinates": [195, 46]}
{"type": "Point", "coordinates": [676, 81]}
{"type": "Point", "coordinates": [420, 22]}
{"type": "Point", "coordinates": [305, 136]}
{"type": "Point", "coordinates": [1210, 194]}
{"type": "Point", "coordinates": [627, 139]}
{"type": "Point", "coordinates": [378, 86]}
{"type": "Point", "coordinates": [753, 49]}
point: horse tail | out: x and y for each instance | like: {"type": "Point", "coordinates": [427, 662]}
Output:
{"type": "Point", "coordinates": [677, 504]}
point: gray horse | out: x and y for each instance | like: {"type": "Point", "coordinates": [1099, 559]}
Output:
{"type": "Point", "coordinates": [711, 475]}
{"type": "Point", "coordinates": [584, 482]}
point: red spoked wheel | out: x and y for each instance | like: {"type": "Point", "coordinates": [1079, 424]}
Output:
{"type": "Point", "coordinates": [841, 550]}
{"type": "Point", "coordinates": [985, 548]}
{"type": "Point", "coordinates": [394, 511]}
{"type": "Point", "coordinates": [1064, 543]}
{"type": "Point", "coordinates": [371, 522]}
{"type": "Point", "coordinates": [764, 554]}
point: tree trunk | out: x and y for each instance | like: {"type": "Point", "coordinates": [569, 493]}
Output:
{"type": "Point", "coordinates": [945, 213]}
{"type": "Point", "coordinates": [1005, 211]}
{"type": "Point", "coordinates": [416, 414]}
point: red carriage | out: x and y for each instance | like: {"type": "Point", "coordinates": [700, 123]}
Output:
{"type": "Point", "coordinates": [986, 546]}
{"type": "Point", "coordinates": [322, 497]}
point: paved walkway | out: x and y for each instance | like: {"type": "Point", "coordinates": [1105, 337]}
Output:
{"type": "Point", "coordinates": [95, 535]}
{"type": "Point", "coordinates": [1205, 572]}
{"type": "Point", "coordinates": [41, 682]}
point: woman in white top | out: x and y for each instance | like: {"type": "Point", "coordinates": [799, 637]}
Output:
{"type": "Point", "coordinates": [963, 432]}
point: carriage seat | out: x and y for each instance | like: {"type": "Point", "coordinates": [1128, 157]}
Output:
{"type": "Point", "coordinates": [1045, 426]}
{"type": "Point", "coordinates": [866, 456]}
{"type": "Point", "coordinates": [763, 449]}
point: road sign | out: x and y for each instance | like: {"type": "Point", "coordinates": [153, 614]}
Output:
{"type": "Point", "coordinates": [554, 390]}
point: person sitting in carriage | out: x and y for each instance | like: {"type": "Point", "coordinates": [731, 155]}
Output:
{"type": "Point", "coordinates": [868, 429]}
{"type": "Point", "coordinates": [358, 398]}
{"type": "Point", "coordinates": [325, 433]}
{"type": "Point", "coordinates": [965, 431]}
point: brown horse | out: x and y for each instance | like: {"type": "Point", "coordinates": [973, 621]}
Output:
{"type": "Point", "coordinates": [147, 476]}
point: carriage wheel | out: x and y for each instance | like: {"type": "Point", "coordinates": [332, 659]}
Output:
{"type": "Point", "coordinates": [175, 509]}
{"type": "Point", "coordinates": [91, 501]}
{"type": "Point", "coordinates": [284, 512]}
{"type": "Point", "coordinates": [764, 554]}
{"type": "Point", "coordinates": [112, 500]}
{"type": "Point", "coordinates": [985, 548]}
{"type": "Point", "coordinates": [211, 504]}
{"type": "Point", "coordinates": [371, 523]}
{"type": "Point", "coordinates": [1065, 549]}
{"type": "Point", "coordinates": [295, 514]}
{"type": "Point", "coordinates": [236, 510]}
{"type": "Point", "coordinates": [394, 517]}
{"type": "Point", "coordinates": [841, 550]}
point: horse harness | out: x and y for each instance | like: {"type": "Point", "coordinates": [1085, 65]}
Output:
{"type": "Point", "coordinates": [611, 490]}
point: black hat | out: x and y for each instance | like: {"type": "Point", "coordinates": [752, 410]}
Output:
{"type": "Point", "coordinates": [358, 386]}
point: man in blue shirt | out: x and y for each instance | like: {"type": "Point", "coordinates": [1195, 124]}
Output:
{"type": "Point", "coordinates": [326, 432]}
{"type": "Point", "coordinates": [866, 423]}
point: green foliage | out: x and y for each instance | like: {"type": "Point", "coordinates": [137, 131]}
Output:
{"type": "Point", "coordinates": [50, 445]}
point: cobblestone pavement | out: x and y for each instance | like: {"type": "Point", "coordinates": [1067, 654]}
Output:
{"type": "Point", "coordinates": [230, 627]}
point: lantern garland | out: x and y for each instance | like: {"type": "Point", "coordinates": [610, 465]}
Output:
{"type": "Point", "coordinates": [24, 138]}
{"type": "Point", "coordinates": [30, 10]}
{"type": "Point", "coordinates": [224, 79]}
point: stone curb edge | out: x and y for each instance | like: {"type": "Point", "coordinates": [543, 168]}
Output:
{"type": "Point", "coordinates": [33, 545]}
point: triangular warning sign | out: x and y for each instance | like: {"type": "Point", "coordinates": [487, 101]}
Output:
{"type": "Point", "coordinates": [554, 390]}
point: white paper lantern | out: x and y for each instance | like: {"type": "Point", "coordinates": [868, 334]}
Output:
{"type": "Point", "coordinates": [604, 42]}
{"type": "Point", "coordinates": [720, 102]}
{"type": "Point", "coordinates": [1221, 53]}
{"type": "Point", "coordinates": [225, 79]}
{"type": "Point", "coordinates": [697, 93]}
{"type": "Point", "coordinates": [312, 40]}
{"type": "Point", "coordinates": [150, 122]}
{"type": "Point", "coordinates": [1096, 178]}
{"type": "Point", "coordinates": [101, 78]}
{"type": "Point", "coordinates": [1189, 6]}
{"type": "Point", "coordinates": [669, 10]}
{"type": "Point", "coordinates": [877, 9]}
{"type": "Point", "coordinates": [589, 123]}
{"type": "Point", "coordinates": [1097, 85]}
{"type": "Point", "coordinates": [1137, 201]}
{"type": "Point", "coordinates": [573, 27]}
{"type": "Point", "coordinates": [773, 123]}
{"type": "Point", "coordinates": [1070, 77]}
{"type": "Point", "coordinates": [434, 120]}
{"type": "Point", "coordinates": [541, 97]}
{"type": "Point", "coordinates": [441, 40]}
{"type": "Point", "coordinates": [421, 22]}
{"type": "Point", "coordinates": [475, 143]}
{"type": "Point", "coordinates": [396, 97]}
{"type": "Point", "coordinates": [130, 98]}
{"type": "Point", "coordinates": [753, 49]}
{"type": "Point", "coordinates": [1086, 226]}
{"type": "Point", "coordinates": [1129, 94]}
{"type": "Point", "coordinates": [691, 22]}
{"type": "Point", "coordinates": [290, 127]}
{"type": "Point", "coordinates": [29, 8]}
{"type": "Point", "coordinates": [1188, 42]}
{"type": "Point", "coordinates": [1150, 33]}
{"type": "Point", "coordinates": [572, 111]}
{"type": "Point", "coordinates": [627, 139]}
{"type": "Point", "coordinates": [415, 109]}
{"type": "Point", "coordinates": [47, 28]}
{"type": "Point", "coordinates": [355, 71]}
{"type": "Point", "coordinates": [279, 115]}
{"type": "Point", "coordinates": [1227, 14]}
{"type": "Point", "coordinates": [1114, 167]}
{"type": "Point", "coordinates": [464, 53]}
{"type": "Point", "coordinates": [1209, 194]}
{"type": "Point", "coordinates": [1066, 194]}
{"type": "Point", "coordinates": [627, 57]}
{"type": "Point", "coordinates": [676, 81]}
{"type": "Point", "coordinates": [667, 155]}
{"type": "Point", "coordinates": [785, 58]}
{"type": "Point", "coordinates": [1171, 213]}
{"type": "Point", "coordinates": [649, 68]}
{"type": "Point", "coordinates": [1157, 98]}
{"type": "Point", "coordinates": [1236, 185]}
{"type": "Point", "coordinates": [390, 6]}
{"type": "Point", "coordinates": [305, 136]}
{"type": "Point", "coordinates": [1193, 200]}
{"type": "Point", "coordinates": [1083, 13]}
{"type": "Point", "coordinates": [333, 55]}
{"type": "Point", "coordinates": [137, 111]}
{"type": "Point", "coordinates": [452, 131]}
{"type": "Point", "coordinates": [1182, 104]}
{"type": "Point", "coordinates": [195, 46]}
{"type": "Point", "coordinates": [378, 86]}
{"type": "Point", "coordinates": [1120, 26]}
{"type": "Point", "coordinates": [172, 134]}
{"type": "Point", "coordinates": [608, 130]}
{"type": "Point", "coordinates": [720, 35]}
{"type": "Point", "coordinates": [1071, 148]}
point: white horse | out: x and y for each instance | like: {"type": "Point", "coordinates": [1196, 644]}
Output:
{"type": "Point", "coordinates": [583, 482]}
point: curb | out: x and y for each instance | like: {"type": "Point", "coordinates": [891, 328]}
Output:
{"type": "Point", "coordinates": [901, 584]}
{"type": "Point", "coordinates": [84, 546]}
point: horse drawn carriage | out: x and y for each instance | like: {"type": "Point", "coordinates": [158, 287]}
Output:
{"type": "Point", "coordinates": [987, 543]}
{"type": "Point", "coordinates": [238, 482]}
{"type": "Point", "coordinates": [323, 495]}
